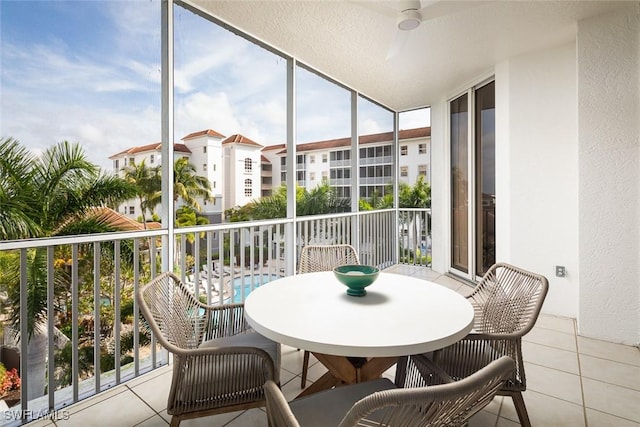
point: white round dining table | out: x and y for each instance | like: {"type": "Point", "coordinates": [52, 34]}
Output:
{"type": "Point", "coordinates": [399, 316]}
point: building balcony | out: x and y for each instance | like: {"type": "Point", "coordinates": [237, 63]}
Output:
{"type": "Point", "coordinates": [90, 336]}
{"type": "Point", "coordinates": [573, 381]}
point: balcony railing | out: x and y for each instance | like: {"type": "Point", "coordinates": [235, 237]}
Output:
{"type": "Point", "coordinates": [73, 296]}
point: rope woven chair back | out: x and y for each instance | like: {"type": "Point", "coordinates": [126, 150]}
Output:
{"type": "Point", "coordinates": [508, 300]}
{"type": "Point", "coordinates": [174, 311]}
{"type": "Point", "coordinates": [450, 404]}
{"type": "Point", "coordinates": [326, 257]}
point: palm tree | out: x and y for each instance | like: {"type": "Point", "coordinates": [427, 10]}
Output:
{"type": "Point", "coordinates": [321, 200]}
{"type": "Point", "coordinates": [148, 183]}
{"type": "Point", "coordinates": [186, 217]}
{"type": "Point", "coordinates": [18, 216]}
{"type": "Point", "coordinates": [189, 186]}
{"type": "Point", "coordinates": [41, 196]}
{"type": "Point", "coordinates": [273, 206]}
{"type": "Point", "coordinates": [416, 196]}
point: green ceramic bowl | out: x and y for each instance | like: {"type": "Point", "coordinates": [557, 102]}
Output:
{"type": "Point", "coordinates": [356, 278]}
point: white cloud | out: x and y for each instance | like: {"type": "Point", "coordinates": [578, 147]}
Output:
{"type": "Point", "coordinates": [107, 96]}
{"type": "Point", "coordinates": [200, 111]}
{"type": "Point", "coordinates": [369, 126]}
{"type": "Point", "coordinates": [415, 119]}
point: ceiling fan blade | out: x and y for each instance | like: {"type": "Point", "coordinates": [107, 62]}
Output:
{"type": "Point", "coordinates": [436, 9]}
{"type": "Point", "coordinates": [399, 40]}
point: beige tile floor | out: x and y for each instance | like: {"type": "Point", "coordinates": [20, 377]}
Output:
{"type": "Point", "coordinates": [572, 381]}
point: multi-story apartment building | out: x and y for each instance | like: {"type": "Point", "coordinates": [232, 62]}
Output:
{"type": "Point", "coordinates": [241, 170]}
{"type": "Point", "coordinates": [331, 159]}
{"type": "Point", "coordinates": [231, 164]}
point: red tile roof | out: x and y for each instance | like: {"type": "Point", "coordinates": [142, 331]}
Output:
{"type": "Point", "coordinates": [364, 139]}
{"type": "Point", "coordinates": [208, 132]}
{"type": "Point", "coordinates": [181, 148]}
{"type": "Point", "coordinates": [309, 146]}
{"type": "Point", "coordinates": [274, 147]}
{"type": "Point", "coordinates": [240, 139]}
{"type": "Point", "coordinates": [116, 219]}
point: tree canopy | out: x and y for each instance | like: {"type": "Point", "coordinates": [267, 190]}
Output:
{"type": "Point", "coordinates": [323, 200]}
{"type": "Point", "coordinates": [49, 195]}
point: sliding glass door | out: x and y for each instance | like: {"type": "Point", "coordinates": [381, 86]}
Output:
{"type": "Point", "coordinates": [459, 121]}
{"type": "Point", "coordinates": [473, 198]}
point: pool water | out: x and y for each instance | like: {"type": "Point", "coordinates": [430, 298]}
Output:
{"type": "Point", "coordinates": [241, 284]}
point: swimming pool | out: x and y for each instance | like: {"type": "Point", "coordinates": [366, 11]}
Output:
{"type": "Point", "coordinates": [241, 284]}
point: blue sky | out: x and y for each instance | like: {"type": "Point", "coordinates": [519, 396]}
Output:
{"type": "Point", "coordinates": [89, 72]}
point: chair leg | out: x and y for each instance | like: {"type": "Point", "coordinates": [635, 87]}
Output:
{"type": "Point", "coordinates": [521, 409]}
{"type": "Point", "coordinates": [305, 368]}
{"type": "Point", "coordinates": [175, 421]}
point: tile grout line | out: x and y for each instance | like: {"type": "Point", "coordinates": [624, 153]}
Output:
{"type": "Point", "coordinates": [145, 402]}
{"type": "Point", "coordinates": [547, 345]}
{"type": "Point", "coordinates": [584, 402]}
{"type": "Point", "coordinates": [499, 411]}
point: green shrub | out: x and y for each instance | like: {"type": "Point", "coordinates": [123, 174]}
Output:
{"type": "Point", "coordinates": [3, 372]}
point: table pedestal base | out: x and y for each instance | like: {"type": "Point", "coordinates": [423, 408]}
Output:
{"type": "Point", "coordinates": [343, 370]}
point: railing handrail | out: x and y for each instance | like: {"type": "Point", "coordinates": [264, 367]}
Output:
{"type": "Point", "coordinates": [248, 254]}
{"type": "Point", "coordinates": [106, 237]}
{"type": "Point", "coordinates": [79, 238]}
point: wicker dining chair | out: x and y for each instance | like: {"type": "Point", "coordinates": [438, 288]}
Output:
{"type": "Point", "coordinates": [315, 258]}
{"type": "Point", "coordinates": [383, 403]}
{"type": "Point", "coordinates": [219, 363]}
{"type": "Point", "coordinates": [507, 302]}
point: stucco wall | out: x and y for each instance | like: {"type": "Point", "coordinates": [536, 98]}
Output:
{"type": "Point", "coordinates": [608, 52]}
{"type": "Point", "coordinates": [568, 163]}
{"type": "Point", "coordinates": [537, 169]}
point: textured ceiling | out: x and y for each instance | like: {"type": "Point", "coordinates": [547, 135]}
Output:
{"type": "Point", "coordinates": [350, 40]}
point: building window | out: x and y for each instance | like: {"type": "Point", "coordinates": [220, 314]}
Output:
{"type": "Point", "coordinates": [403, 150]}
{"type": "Point", "coordinates": [248, 188]}
{"type": "Point", "coordinates": [204, 167]}
{"type": "Point", "coordinates": [325, 175]}
{"type": "Point", "coordinates": [422, 148]}
{"type": "Point", "coordinates": [404, 171]}
{"type": "Point", "coordinates": [132, 210]}
{"type": "Point", "coordinates": [422, 170]}
{"type": "Point", "coordinates": [312, 159]}
{"type": "Point", "coordinates": [152, 158]}
{"type": "Point", "coordinates": [247, 165]}
{"type": "Point", "coordinates": [312, 176]}
{"type": "Point", "coordinates": [132, 161]}
{"type": "Point", "coordinates": [214, 167]}
{"type": "Point", "coordinates": [214, 184]}
{"type": "Point", "coordinates": [116, 164]}
{"type": "Point", "coordinates": [324, 158]}
{"type": "Point", "coordinates": [204, 149]}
